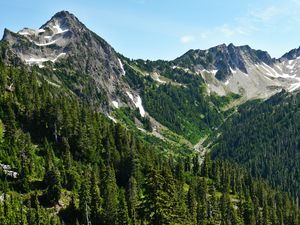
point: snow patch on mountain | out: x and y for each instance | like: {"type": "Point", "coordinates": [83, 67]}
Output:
{"type": "Point", "coordinates": [122, 67]}
{"type": "Point", "coordinates": [130, 95]}
{"type": "Point", "coordinates": [41, 31]}
{"type": "Point", "coordinates": [59, 30]}
{"type": "Point", "coordinates": [60, 55]}
{"type": "Point", "coordinates": [287, 73]}
{"type": "Point", "coordinates": [115, 104]}
{"type": "Point", "coordinates": [210, 71]}
{"type": "Point", "coordinates": [36, 61]}
{"type": "Point", "coordinates": [113, 119]}
{"type": "Point", "coordinates": [23, 33]}
{"type": "Point", "coordinates": [138, 103]}
{"type": "Point", "coordinates": [290, 66]}
{"type": "Point", "coordinates": [39, 61]}
{"type": "Point", "coordinates": [294, 86]}
{"type": "Point", "coordinates": [214, 72]}
{"type": "Point", "coordinates": [232, 71]}
{"type": "Point", "coordinates": [28, 31]}
{"type": "Point", "coordinates": [45, 44]}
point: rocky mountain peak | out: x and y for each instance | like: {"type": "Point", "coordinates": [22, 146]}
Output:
{"type": "Point", "coordinates": [65, 15]}
{"type": "Point", "coordinates": [292, 54]}
{"type": "Point", "coordinates": [7, 33]}
{"type": "Point", "coordinates": [64, 20]}
{"type": "Point", "coordinates": [224, 59]}
{"type": "Point", "coordinates": [68, 48]}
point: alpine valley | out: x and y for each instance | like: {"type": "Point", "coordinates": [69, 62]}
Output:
{"type": "Point", "coordinates": [89, 136]}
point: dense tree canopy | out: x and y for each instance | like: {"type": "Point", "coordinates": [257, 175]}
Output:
{"type": "Point", "coordinates": [264, 137]}
{"type": "Point", "coordinates": [64, 163]}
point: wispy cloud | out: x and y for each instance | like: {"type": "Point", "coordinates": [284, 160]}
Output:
{"type": "Point", "coordinates": [226, 31]}
{"type": "Point", "coordinates": [267, 14]}
{"type": "Point", "coordinates": [282, 12]}
{"type": "Point", "coordinates": [280, 15]}
{"type": "Point", "coordinates": [229, 31]}
{"type": "Point", "coordinates": [186, 39]}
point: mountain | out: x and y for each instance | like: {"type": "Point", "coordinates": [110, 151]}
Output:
{"type": "Point", "coordinates": [75, 56]}
{"type": "Point", "coordinates": [242, 70]}
{"type": "Point", "coordinates": [291, 55]}
{"type": "Point", "coordinates": [63, 163]}
{"type": "Point", "coordinates": [224, 59]}
{"type": "Point", "coordinates": [70, 56]}
{"type": "Point", "coordinates": [88, 136]}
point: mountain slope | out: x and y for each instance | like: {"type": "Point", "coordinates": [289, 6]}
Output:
{"type": "Point", "coordinates": [206, 81]}
{"type": "Point", "coordinates": [264, 138]}
{"type": "Point", "coordinates": [63, 163]}
{"type": "Point", "coordinates": [176, 98]}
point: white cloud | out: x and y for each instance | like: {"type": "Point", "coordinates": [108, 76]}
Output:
{"type": "Point", "coordinates": [264, 21]}
{"type": "Point", "coordinates": [268, 13]}
{"type": "Point", "coordinates": [256, 20]}
{"type": "Point", "coordinates": [204, 35]}
{"type": "Point", "coordinates": [282, 11]}
{"type": "Point", "coordinates": [187, 39]}
{"type": "Point", "coordinates": [226, 30]}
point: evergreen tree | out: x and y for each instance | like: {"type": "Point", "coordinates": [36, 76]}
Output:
{"type": "Point", "coordinates": [85, 198]}
{"type": "Point", "coordinates": [156, 205]}
{"type": "Point", "coordinates": [132, 199]}
{"type": "Point", "coordinates": [248, 212]}
{"type": "Point", "coordinates": [96, 200]}
{"type": "Point", "coordinates": [123, 216]}
{"type": "Point", "coordinates": [53, 182]}
{"type": "Point", "coordinates": [192, 204]}
{"type": "Point", "coordinates": [110, 197]}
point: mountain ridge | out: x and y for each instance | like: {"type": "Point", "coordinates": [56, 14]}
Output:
{"type": "Point", "coordinates": [81, 61]}
{"type": "Point", "coordinates": [223, 61]}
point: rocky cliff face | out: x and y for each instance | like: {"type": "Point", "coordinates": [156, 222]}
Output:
{"type": "Point", "coordinates": [293, 54]}
{"type": "Point", "coordinates": [70, 50]}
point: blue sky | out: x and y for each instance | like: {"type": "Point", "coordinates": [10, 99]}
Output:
{"type": "Point", "coordinates": [165, 29]}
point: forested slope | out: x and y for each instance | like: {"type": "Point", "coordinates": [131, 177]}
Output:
{"type": "Point", "coordinates": [264, 137]}
{"type": "Point", "coordinates": [64, 163]}
{"type": "Point", "coordinates": [180, 102]}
